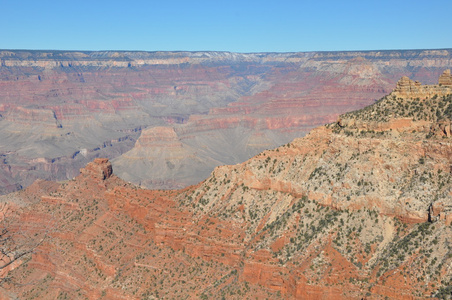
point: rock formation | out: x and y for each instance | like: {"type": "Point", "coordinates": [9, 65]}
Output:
{"type": "Point", "coordinates": [100, 168]}
{"type": "Point", "coordinates": [59, 109]}
{"type": "Point", "coordinates": [407, 88]}
{"type": "Point", "coordinates": [347, 212]}
{"type": "Point", "coordinates": [445, 78]}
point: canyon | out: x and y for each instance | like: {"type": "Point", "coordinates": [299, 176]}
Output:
{"type": "Point", "coordinates": [167, 119]}
{"type": "Point", "coordinates": [359, 208]}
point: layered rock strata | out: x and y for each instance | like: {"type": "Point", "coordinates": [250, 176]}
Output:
{"type": "Point", "coordinates": [61, 109]}
{"type": "Point", "coordinates": [445, 78]}
{"type": "Point", "coordinates": [346, 212]}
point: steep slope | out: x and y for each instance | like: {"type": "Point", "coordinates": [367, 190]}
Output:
{"type": "Point", "coordinates": [359, 208]}
{"type": "Point", "coordinates": [59, 109]}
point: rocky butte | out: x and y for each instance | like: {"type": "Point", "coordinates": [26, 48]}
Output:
{"type": "Point", "coordinates": [190, 111]}
{"type": "Point", "coordinates": [360, 208]}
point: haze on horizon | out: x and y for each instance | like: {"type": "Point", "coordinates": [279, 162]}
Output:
{"type": "Point", "coordinates": [251, 26]}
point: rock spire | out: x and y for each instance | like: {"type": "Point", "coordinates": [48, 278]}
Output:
{"type": "Point", "coordinates": [445, 78]}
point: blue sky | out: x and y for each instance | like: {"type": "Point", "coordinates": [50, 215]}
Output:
{"type": "Point", "coordinates": [238, 26]}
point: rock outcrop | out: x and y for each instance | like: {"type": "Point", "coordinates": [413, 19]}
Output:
{"type": "Point", "coordinates": [407, 88]}
{"type": "Point", "coordinates": [445, 78]}
{"type": "Point", "coordinates": [100, 168]}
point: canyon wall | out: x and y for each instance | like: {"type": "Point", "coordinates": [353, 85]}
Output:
{"type": "Point", "coordinates": [360, 208]}
{"type": "Point", "coordinates": [60, 109]}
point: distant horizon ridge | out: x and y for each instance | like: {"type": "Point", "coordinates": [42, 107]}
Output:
{"type": "Point", "coordinates": [226, 51]}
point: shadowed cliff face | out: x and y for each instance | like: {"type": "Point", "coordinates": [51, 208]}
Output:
{"type": "Point", "coordinates": [59, 110]}
{"type": "Point", "coordinates": [359, 208]}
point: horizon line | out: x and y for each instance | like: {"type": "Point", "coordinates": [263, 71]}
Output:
{"type": "Point", "coordinates": [227, 51]}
